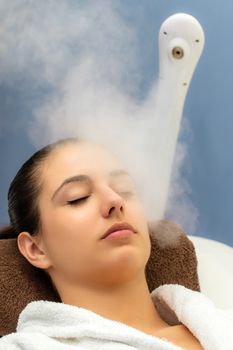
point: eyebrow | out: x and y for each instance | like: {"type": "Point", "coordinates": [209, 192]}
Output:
{"type": "Point", "coordinates": [86, 179]}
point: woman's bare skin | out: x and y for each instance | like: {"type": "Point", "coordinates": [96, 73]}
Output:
{"type": "Point", "coordinates": [179, 335]}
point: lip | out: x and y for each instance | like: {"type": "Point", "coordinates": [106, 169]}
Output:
{"type": "Point", "coordinates": [118, 227]}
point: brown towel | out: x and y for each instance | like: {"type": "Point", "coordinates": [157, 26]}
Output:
{"type": "Point", "coordinates": [172, 260]}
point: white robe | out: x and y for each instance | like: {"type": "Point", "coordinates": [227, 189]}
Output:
{"type": "Point", "coordinates": [45, 325]}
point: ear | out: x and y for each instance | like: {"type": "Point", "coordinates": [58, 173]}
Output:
{"type": "Point", "coordinates": [31, 248]}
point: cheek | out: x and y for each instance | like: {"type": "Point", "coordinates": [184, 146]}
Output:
{"type": "Point", "coordinates": [67, 233]}
{"type": "Point", "coordinates": [138, 214]}
{"type": "Point", "coordinates": [68, 221]}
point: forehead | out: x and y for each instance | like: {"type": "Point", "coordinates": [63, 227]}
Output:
{"type": "Point", "coordinates": [78, 158]}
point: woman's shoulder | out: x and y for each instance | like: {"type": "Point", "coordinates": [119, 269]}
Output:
{"type": "Point", "coordinates": [177, 304]}
{"type": "Point", "coordinates": [33, 310]}
{"type": "Point", "coordinates": [10, 342]}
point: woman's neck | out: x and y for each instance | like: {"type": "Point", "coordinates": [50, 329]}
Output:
{"type": "Point", "coordinates": [129, 303]}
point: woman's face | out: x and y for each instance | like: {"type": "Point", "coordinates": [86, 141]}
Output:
{"type": "Point", "coordinates": [85, 191]}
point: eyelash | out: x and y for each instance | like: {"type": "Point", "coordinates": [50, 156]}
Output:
{"type": "Point", "coordinates": [77, 201]}
{"type": "Point", "coordinates": [126, 193]}
{"type": "Point", "coordinates": [80, 200]}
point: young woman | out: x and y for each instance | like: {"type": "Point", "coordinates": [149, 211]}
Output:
{"type": "Point", "coordinates": [77, 215]}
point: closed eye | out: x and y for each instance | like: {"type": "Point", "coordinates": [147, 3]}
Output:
{"type": "Point", "coordinates": [126, 193]}
{"type": "Point", "coordinates": [77, 201]}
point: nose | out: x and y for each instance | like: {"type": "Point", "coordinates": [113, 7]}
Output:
{"type": "Point", "coordinates": [112, 204]}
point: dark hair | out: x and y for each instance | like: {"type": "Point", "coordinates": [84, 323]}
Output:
{"type": "Point", "coordinates": [24, 191]}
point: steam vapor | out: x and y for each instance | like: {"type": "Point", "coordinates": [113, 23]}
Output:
{"type": "Point", "coordinates": [90, 58]}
